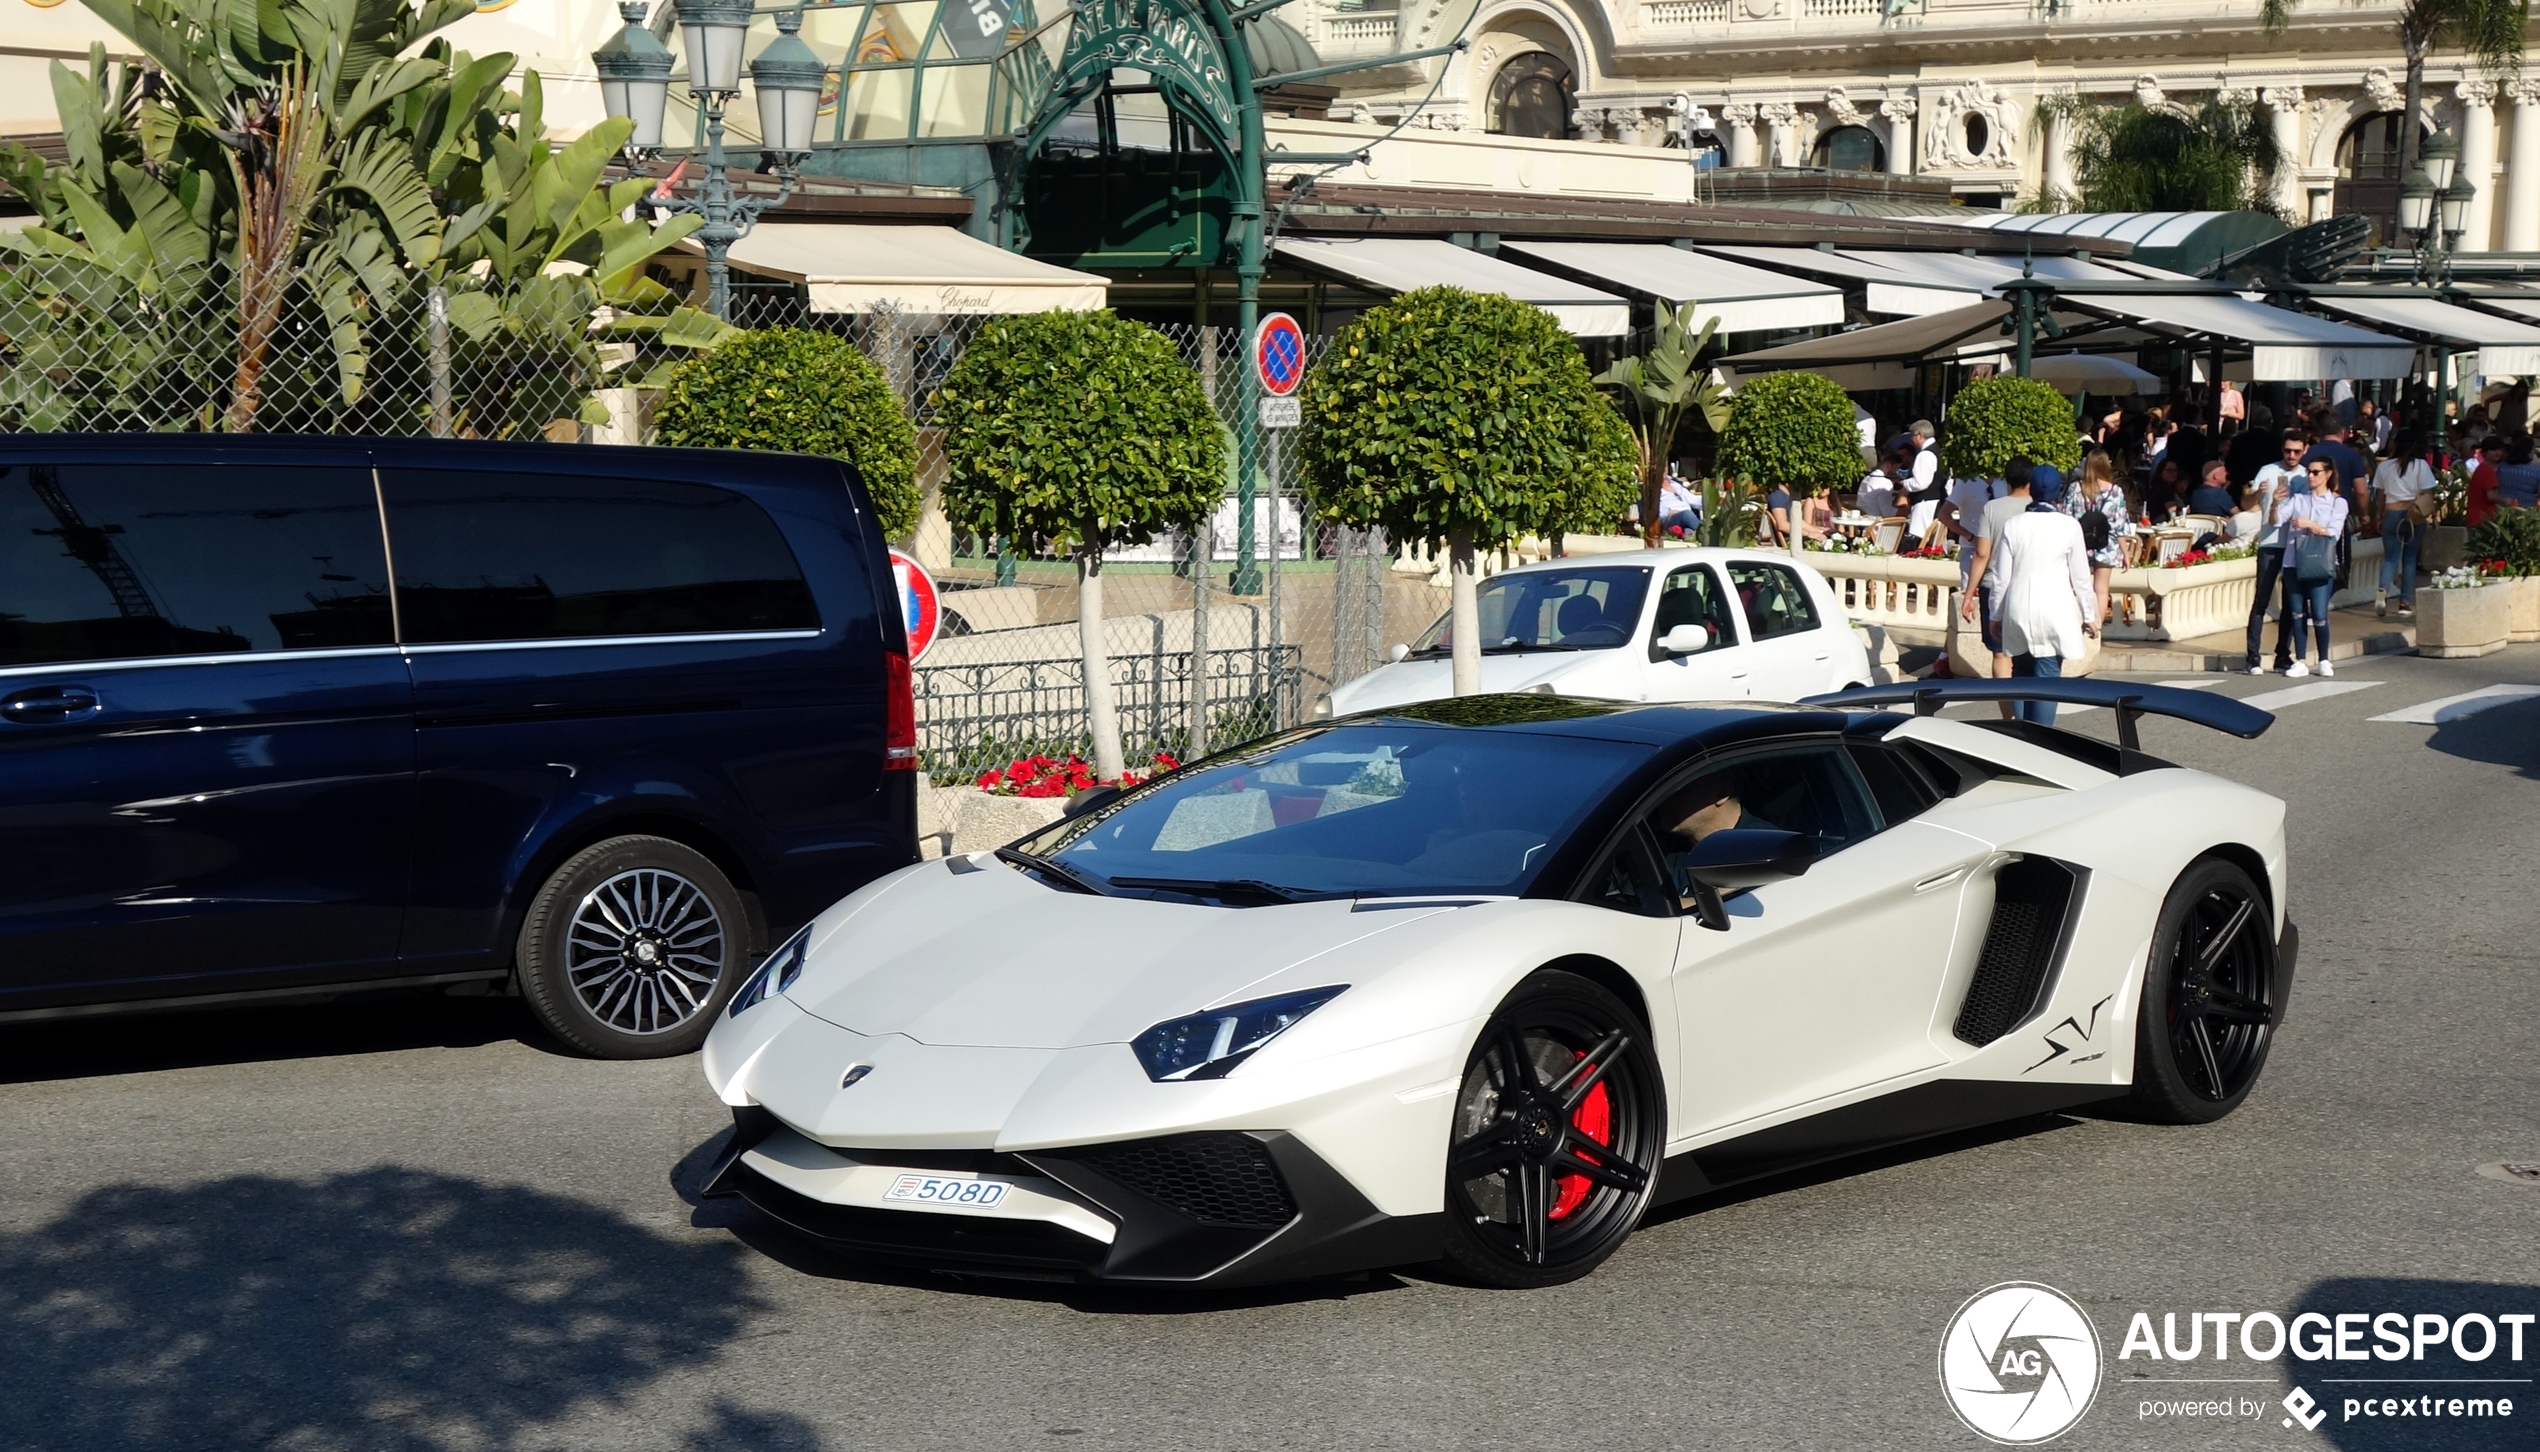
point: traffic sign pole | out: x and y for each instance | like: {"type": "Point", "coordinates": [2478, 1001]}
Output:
{"type": "Point", "coordinates": [1278, 361]}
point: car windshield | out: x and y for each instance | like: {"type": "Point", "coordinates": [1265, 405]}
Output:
{"type": "Point", "coordinates": [1588, 608]}
{"type": "Point", "coordinates": [1380, 808]}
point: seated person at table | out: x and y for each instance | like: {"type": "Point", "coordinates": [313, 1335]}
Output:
{"type": "Point", "coordinates": [2213, 496]}
{"type": "Point", "coordinates": [1877, 494]}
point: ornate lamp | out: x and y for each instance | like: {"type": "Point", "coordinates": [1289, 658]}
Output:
{"type": "Point", "coordinates": [2416, 201]}
{"type": "Point", "coordinates": [634, 69]}
{"type": "Point", "coordinates": [2454, 207]}
{"type": "Point", "coordinates": [788, 77]}
{"type": "Point", "coordinates": [2441, 154]}
{"type": "Point", "coordinates": [714, 31]}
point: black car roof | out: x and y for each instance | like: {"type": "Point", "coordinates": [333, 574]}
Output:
{"type": "Point", "coordinates": [1706, 725]}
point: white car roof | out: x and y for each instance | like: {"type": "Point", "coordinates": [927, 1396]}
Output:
{"type": "Point", "coordinates": [1661, 555]}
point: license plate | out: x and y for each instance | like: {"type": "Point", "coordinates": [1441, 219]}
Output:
{"type": "Point", "coordinates": [945, 1190]}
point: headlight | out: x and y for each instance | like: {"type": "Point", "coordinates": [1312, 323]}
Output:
{"type": "Point", "coordinates": [775, 973]}
{"type": "Point", "coordinates": [1209, 1044]}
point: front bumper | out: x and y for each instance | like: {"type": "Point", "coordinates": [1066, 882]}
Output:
{"type": "Point", "coordinates": [1207, 1209]}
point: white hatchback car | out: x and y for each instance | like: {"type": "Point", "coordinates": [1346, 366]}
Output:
{"type": "Point", "coordinates": [1652, 625]}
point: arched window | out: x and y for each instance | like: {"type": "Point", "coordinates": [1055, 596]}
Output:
{"type": "Point", "coordinates": [1531, 97]}
{"type": "Point", "coordinates": [2369, 151]}
{"type": "Point", "coordinates": [1850, 148]}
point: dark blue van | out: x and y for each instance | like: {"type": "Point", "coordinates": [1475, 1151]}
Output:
{"type": "Point", "coordinates": [291, 717]}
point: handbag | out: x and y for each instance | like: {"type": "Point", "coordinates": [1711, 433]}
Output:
{"type": "Point", "coordinates": [2315, 559]}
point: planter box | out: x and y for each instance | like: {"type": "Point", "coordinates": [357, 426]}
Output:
{"type": "Point", "coordinates": [1889, 590]}
{"type": "Point", "coordinates": [2525, 594]}
{"type": "Point", "coordinates": [2445, 545]}
{"type": "Point", "coordinates": [2456, 623]}
{"type": "Point", "coordinates": [2155, 604]}
{"type": "Point", "coordinates": [981, 822]}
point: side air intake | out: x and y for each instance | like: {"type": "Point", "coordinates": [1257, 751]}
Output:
{"type": "Point", "coordinates": [2032, 898]}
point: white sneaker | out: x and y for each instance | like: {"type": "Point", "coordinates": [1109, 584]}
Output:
{"type": "Point", "coordinates": [2257, 670]}
{"type": "Point", "coordinates": [2327, 669]}
{"type": "Point", "coordinates": [2297, 670]}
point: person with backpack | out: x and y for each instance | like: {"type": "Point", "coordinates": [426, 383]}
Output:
{"type": "Point", "coordinates": [2099, 502]}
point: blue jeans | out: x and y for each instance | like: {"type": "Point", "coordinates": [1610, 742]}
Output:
{"type": "Point", "coordinates": [2277, 586]}
{"type": "Point", "coordinates": [1684, 519]}
{"type": "Point", "coordinates": [2400, 538]}
{"type": "Point", "coordinates": [2045, 668]}
{"type": "Point", "coordinates": [2309, 602]}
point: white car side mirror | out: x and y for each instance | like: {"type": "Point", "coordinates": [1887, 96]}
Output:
{"type": "Point", "coordinates": [1685, 640]}
{"type": "Point", "coordinates": [1398, 653]}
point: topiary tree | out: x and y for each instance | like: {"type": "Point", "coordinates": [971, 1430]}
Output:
{"type": "Point", "coordinates": [1793, 431]}
{"type": "Point", "coordinates": [1463, 418]}
{"type": "Point", "coordinates": [1995, 420]}
{"type": "Point", "coordinates": [802, 392]}
{"type": "Point", "coordinates": [1080, 431]}
{"type": "Point", "coordinates": [1601, 484]}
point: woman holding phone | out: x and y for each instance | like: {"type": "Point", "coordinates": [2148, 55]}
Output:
{"type": "Point", "coordinates": [2312, 521]}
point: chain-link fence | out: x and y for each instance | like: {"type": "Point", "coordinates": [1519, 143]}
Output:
{"type": "Point", "coordinates": [1210, 643]}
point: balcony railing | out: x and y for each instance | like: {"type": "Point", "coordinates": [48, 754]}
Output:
{"type": "Point", "coordinates": [1678, 14]}
{"type": "Point", "coordinates": [1357, 32]}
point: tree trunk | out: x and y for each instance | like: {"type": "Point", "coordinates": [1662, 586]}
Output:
{"type": "Point", "coordinates": [1101, 721]}
{"type": "Point", "coordinates": [1653, 475]}
{"type": "Point", "coordinates": [1464, 621]}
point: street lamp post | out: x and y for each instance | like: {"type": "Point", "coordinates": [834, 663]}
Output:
{"type": "Point", "coordinates": [2434, 204]}
{"type": "Point", "coordinates": [634, 69]}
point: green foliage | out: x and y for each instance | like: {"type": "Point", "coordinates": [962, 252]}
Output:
{"type": "Point", "coordinates": [2217, 158]}
{"type": "Point", "coordinates": [1730, 509]}
{"type": "Point", "coordinates": [1656, 389]}
{"type": "Point", "coordinates": [1078, 430]}
{"type": "Point", "coordinates": [1791, 430]}
{"type": "Point", "coordinates": [2509, 537]}
{"type": "Point", "coordinates": [1447, 409]}
{"type": "Point", "coordinates": [299, 160]}
{"type": "Point", "coordinates": [802, 392]}
{"type": "Point", "coordinates": [1995, 420]}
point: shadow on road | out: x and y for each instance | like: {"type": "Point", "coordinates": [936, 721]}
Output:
{"type": "Point", "coordinates": [391, 1309]}
{"type": "Point", "coordinates": [804, 1256]}
{"type": "Point", "coordinates": [192, 1038]}
{"type": "Point", "coordinates": [2441, 1374]}
{"type": "Point", "coordinates": [2505, 735]}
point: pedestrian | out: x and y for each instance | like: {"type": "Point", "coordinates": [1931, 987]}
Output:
{"type": "Point", "coordinates": [2276, 485]}
{"type": "Point", "coordinates": [2518, 478]}
{"type": "Point", "coordinates": [2098, 502]}
{"type": "Point", "coordinates": [2044, 591]}
{"type": "Point", "coordinates": [2230, 407]}
{"type": "Point", "coordinates": [2330, 433]}
{"type": "Point", "coordinates": [1981, 603]}
{"type": "Point", "coordinates": [1963, 513]}
{"type": "Point", "coordinates": [2164, 493]}
{"type": "Point", "coordinates": [2313, 524]}
{"type": "Point", "coordinates": [2404, 484]}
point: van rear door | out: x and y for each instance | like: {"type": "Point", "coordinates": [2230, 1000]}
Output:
{"type": "Point", "coordinates": [206, 742]}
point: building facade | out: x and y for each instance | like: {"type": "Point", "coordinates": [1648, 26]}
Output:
{"type": "Point", "coordinates": [1951, 89]}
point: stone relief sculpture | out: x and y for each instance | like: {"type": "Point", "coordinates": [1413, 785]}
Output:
{"type": "Point", "coordinates": [1950, 143]}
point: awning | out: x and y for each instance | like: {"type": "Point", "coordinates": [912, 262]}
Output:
{"type": "Point", "coordinates": [1884, 356]}
{"type": "Point", "coordinates": [2283, 345]}
{"type": "Point", "coordinates": [1889, 292]}
{"type": "Point", "coordinates": [860, 268]}
{"type": "Point", "coordinates": [2522, 302]}
{"type": "Point", "coordinates": [1402, 264]}
{"type": "Point", "coordinates": [2092, 373]}
{"type": "Point", "coordinates": [1740, 298]}
{"type": "Point", "coordinates": [2504, 346]}
{"type": "Point", "coordinates": [2190, 242]}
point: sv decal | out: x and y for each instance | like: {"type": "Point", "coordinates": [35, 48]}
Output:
{"type": "Point", "coordinates": [2079, 1032]}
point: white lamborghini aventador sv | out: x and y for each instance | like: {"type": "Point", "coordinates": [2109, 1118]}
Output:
{"type": "Point", "coordinates": [1480, 981]}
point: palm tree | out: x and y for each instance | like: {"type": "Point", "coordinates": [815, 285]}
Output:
{"type": "Point", "coordinates": [2129, 158]}
{"type": "Point", "coordinates": [2490, 30]}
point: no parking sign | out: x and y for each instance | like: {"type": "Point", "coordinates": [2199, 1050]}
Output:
{"type": "Point", "coordinates": [1278, 354]}
{"type": "Point", "coordinates": [920, 607]}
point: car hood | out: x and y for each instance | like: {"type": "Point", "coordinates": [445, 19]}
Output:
{"type": "Point", "coordinates": [970, 952]}
{"type": "Point", "coordinates": [1432, 678]}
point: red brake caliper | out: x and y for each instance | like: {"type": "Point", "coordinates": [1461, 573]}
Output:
{"type": "Point", "coordinates": [1594, 1118]}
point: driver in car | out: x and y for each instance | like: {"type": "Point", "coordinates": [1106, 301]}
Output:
{"type": "Point", "coordinates": [1705, 805]}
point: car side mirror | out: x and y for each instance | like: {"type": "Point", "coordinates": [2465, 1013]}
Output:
{"type": "Point", "coordinates": [1684, 640]}
{"type": "Point", "coordinates": [1739, 859]}
{"type": "Point", "coordinates": [1397, 653]}
{"type": "Point", "coordinates": [1088, 799]}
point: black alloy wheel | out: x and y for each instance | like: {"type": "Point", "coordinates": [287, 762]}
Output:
{"type": "Point", "coordinates": [1559, 1130]}
{"type": "Point", "coordinates": [2209, 1009]}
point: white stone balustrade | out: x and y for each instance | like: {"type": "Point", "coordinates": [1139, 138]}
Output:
{"type": "Point", "coordinates": [1890, 591]}
{"type": "Point", "coordinates": [2181, 604]}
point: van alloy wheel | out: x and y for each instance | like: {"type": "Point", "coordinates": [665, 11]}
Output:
{"type": "Point", "coordinates": [645, 951]}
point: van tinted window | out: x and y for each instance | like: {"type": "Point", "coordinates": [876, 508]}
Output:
{"type": "Point", "coordinates": [560, 556]}
{"type": "Point", "coordinates": [127, 561]}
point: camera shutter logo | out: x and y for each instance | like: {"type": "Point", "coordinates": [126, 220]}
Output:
{"type": "Point", "coordinates": [2020, 1363]}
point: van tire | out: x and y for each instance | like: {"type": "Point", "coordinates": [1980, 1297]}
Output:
{"type": "Point", "coordinates": [663, 940]}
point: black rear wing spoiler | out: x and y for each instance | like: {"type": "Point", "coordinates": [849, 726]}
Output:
{"type": "Point", "coordinates": [2130, 702]}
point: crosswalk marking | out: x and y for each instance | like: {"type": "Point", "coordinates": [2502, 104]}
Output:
{"type": "Point", "coordinates": [2453, 708]}
{"type": "Point", "coordinates": [2308, 691]}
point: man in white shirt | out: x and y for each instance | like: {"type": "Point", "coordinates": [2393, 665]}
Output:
{"type": "Point", "coordinates": [1926, 458]}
